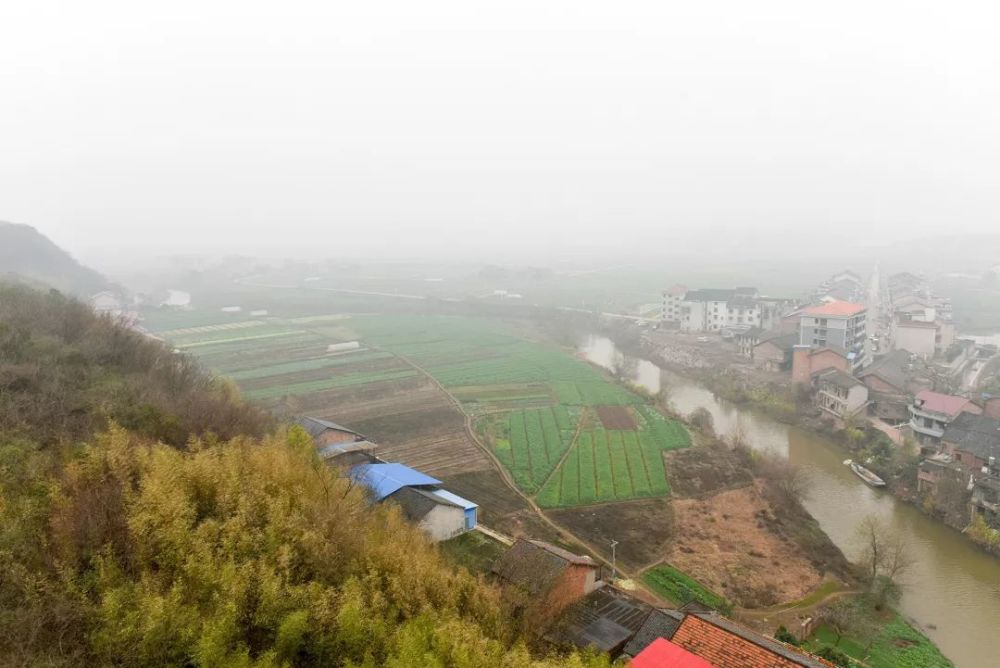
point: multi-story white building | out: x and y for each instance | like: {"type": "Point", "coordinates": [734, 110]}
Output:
{"type": "Point", "coordinates": [672, 298]}
{"type": "Point", "coordinates": [712, 310]}
{"type": "Point", "coordinates": [839, 325]}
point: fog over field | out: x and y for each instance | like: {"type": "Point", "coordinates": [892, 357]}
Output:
{"type": "Point", "coordinates": [532, 130]}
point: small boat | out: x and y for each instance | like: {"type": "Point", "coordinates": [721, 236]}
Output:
{"type": "Point", "coordinates": [865, 474]}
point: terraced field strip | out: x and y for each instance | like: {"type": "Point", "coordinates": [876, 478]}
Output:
{"type": "Point", "coordinates": [238, 339]}
{"type": "Point", "coordinates": [329, 383]}
{"type": "Point", "coordinates": [323, 362]}
{"type": "Point", "coordinates": [225, 326]}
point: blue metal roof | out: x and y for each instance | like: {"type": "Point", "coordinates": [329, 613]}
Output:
{"type": "Point", "coordinates": [455, 498]}
{"type": "Point", "coordinates": [386, 479]}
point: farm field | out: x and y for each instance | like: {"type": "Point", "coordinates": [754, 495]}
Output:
{"type": "Point", "coordinates": [564, 432]}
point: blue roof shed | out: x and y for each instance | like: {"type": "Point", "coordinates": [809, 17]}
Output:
{"type": "Point", "coordinates": [386, 479]}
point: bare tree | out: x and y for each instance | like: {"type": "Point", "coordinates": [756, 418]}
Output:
{"type": "Point", "coordinates": [841, 616]}
{"type": "Point", "coordinates": [885, 555]}
{"type": "Point", "coordinates": [703, 420]}
{"type": "Point", "coordinates": [739, 435]}
{"type": "Point", "coordinates": [788, 482]}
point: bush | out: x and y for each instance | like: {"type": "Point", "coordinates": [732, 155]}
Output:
{"type": "Point", "coordinates": [785, 636]}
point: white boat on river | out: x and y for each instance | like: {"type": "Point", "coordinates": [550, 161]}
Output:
{"type": "Point", "coordinates": [865, 474]}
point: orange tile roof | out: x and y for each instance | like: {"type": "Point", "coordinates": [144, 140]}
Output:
{"type": "Point", "coordinates": [739, 647]}
{"type": "Point", "coordinates": [835, 308]}
{"type": "Point", "coordinates": [663, 654]}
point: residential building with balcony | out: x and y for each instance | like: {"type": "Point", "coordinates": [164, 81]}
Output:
{"type": "Point", "coordinates": [839, 394]}
{"type": "Point", "coordinates": [932, 412]}
{"type": "Point", "coordinates": [712, 310]}
{"type": "Point", "coordinates": [838, 325]}
{"type": "Point", "coordinates": [985, 500]}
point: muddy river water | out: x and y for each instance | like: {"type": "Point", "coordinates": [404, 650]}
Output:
{"type": "Point", "coordinates": [953, 588]}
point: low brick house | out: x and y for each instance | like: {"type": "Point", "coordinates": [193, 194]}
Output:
{"type": "Point", "coordinates": [325, 433]}
{"type": "Point", "coordinates": [551, 577]}
{"type": "Point", "coordinates": [973, 441]}
{"type": "Point", "coordinates": [773, 352]}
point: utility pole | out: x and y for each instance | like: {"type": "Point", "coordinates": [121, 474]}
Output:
{"type": "Point", "coordinates": [614, 572]}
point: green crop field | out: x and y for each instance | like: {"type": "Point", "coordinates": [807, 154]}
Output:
{"type": "Point", "coordinates": [532, 395]}
{"type": "Point", "coordinates": [610, 465]}
{"type": "Point", "coordinates": [680, 588]}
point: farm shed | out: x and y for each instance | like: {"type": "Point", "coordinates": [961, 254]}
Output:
{"type": "Point", "coordinates": [438, 513]}
{"type": "Point", "coordinates": [324, 432]}
{"type": "Point", "coordinates": [605, 619]}
{"type": "Point", "coordinates": [386, 479]}
{"type": "Point", "coordinates": [343, 347]}
{"type": "Point", "coordinates": [349, 453]}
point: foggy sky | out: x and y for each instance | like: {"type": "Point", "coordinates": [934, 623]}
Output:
{"type": "Point", "coordinates": [419, 127]}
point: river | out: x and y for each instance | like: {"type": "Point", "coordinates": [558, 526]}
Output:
{"type": "Point", "coordinates": [953, 588]}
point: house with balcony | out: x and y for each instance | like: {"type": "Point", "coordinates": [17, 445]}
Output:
{"type": "Point", "coordinates": [985, 500]}
{"type": "Point", "coordinates": [838, 325]}
{"type": "Point", "coordinates": [839, 394]}
{"type": "Point", "coordinates": [932, 412]}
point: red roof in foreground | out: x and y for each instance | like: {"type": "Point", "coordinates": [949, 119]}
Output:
{"type": "Point", "coordinates": [835, 308]}
{"type": "Point", "coordinates": [941, 403]}
{"type": "Point", "coordinates": [662, 653]}
{"type": "Point", "coordinates": [738, 647]}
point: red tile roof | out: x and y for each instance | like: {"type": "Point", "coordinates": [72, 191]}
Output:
{"type": "Point", "coordinates": [940, 403]}
{"type": "Point", "coordinates": [835, 308]}
{"type": "Point", "coordinates": [662, 653]}
{"type": "Point", "coordinates": [737, 647]}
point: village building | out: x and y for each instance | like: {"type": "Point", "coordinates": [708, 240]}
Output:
{"type": "Point", "coordinates": [973, 441]}
{"type": "Point", "coordinates": [324, 432]}
{"type": "Point", "coordinates": [839, 394]}
{"type": "Point", "coordinates": [985, 500]}
{"type": "Point", "coordinates": [662, 653]}
{"type": "Point", "coordinates": [711, 310]}
{"type": "Point", "coordinates": [927, 338]}
{"type": "Point", "coordinates": [548, 576]}
{"type": "Point", "coordinates": [106, 302]}
{"type": "Point", "coordinates": [808, 361]}
{"type": "Point", "coordinates": [891, 380]}
{"type": "Point", "coordinates": [838, 325]}
{"type": "Point", "coordinates": [773, 352]}
{"type": "Point", "coordinates": [605, 619]}
{"type": "Point", "coordinates": [723, 642]}
{"type": "Point", "coordinates": [931, 412]}
{"type": "Point", "coordinates": [436, 511]}
{"type": "Point", "coordinates": [672, 298]}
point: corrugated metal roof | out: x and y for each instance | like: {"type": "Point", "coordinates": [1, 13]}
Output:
{"type": "Point", "coordinates": [465, 504]}
{"type": "Point", "coordinates": [384, 479]}
{"type": "Point", "coordinates": [315, 426]}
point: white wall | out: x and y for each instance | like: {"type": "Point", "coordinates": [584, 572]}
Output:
{"type": "Point", "coordinates": [443, 522]}
{"type": "Point", "coordinates": [919, 341]}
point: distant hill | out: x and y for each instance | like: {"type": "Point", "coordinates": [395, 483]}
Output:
{"type": "Point", "coordinates": [28, 256]}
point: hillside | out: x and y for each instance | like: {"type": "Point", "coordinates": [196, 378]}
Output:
{"type": "Point", "coordinates": [29, 256]}
{"type": "Point", "coordinates": [200, 535]}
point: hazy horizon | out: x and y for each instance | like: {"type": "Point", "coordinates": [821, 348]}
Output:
{"type": "Point", "coordinates": [525, 130]}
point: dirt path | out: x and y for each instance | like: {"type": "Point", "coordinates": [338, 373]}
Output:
{"type": "Point", "coordinates": [773, 611]}
{"type": "Point", "coordinates": [502, 470]}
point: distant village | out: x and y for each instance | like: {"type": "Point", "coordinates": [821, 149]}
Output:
{"type": "Point", "coordinates": [885, 353]}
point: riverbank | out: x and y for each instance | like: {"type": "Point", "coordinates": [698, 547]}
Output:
{"type": "Point", "coordinates": [896, 463]}
{"type": "Point", "coordinates": [950, 591]}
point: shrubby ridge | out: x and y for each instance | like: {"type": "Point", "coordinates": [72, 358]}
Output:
{"type": "Point", "coordinates": [149, 517]}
